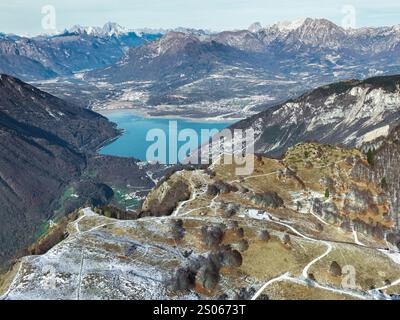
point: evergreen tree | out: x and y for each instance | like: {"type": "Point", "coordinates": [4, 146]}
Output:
{"type": "Point", "coordinates": [371, 156]}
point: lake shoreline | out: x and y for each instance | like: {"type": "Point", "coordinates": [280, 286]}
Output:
{"type": "Point", "coordinates": [134, 139]}
{"type": "Point", "coordinates": [145, 115]}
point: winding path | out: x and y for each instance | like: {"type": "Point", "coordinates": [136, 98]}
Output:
{"type": "Point", "coordinates": [304, 280]}
{"type": "Point", "coordinates": [307, 267]}
{"type": "Point", "coordinates": [277, 279]}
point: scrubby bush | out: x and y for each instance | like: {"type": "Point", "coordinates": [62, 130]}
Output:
{"type": "Point", "coordinates": [212, 190]}
{"type": "Point", "coordinates": [183, 279]}
{"type": "Point", "coordinates": [328, 183]}
{"type": "Point", "coordinates": [386, 216]}
{"type": "Point", "coordinates": [220, 187]}
{"type": "Point", "coordinates": [264, 235]}
{"type": "Point", "coordinates": [370, 283]}
{"type": "Point", "coordinates": [177, 230]}
{"type": "Point", "coordinates": [196, 263]}
{"type": "Point", "coordinates": [231, 258]}
{"type": "Point", "coordinates": [187, 253]}
{"type": "Point", "coordinates": [371, 157]}
{"type": "Point", "coordinates": [208, 277]}
{"type": "Point", "coordinates": [231, 209]}
{"type": "Point", "coordinates": [178, 223]}
{"type": "Point", "coordinates": [335, 269]}
{"type": "Point", "coordinates": [243, 245]}
{"type": "Point", "coordinates": [212, 236]}
{"type": "Point", "coordinates": [311, 276]}
{"type": "Point", "coordinates": [130, 250]}
{"type": "Point", "coordinates": [320, 227]}
{"type": "Point", "coordinates": [286, 238]}
{"type": "Point", "coordinates": [346, 226]}
{"type": "Point", "coordinates": [239, 232]}
{"type": "Point", "coordinates": [268, 200]}
{"type": "Point", "coordinates": [115, 213]}
{"type": "Point", "coordinates": [223, 226]}
{"type": "Point", "coordinates": [370, 229]}
{"type": "Point", "coordinates": [205, 270]}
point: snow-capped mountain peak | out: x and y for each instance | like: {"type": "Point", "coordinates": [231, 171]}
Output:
{"type": "Point", "coordinates": [287, 26]}
{"type": "Point", "coordinates": [396, 28]}
{"type": "Point", "coordinates": [255, 27]}
{"type": "Point", "coordinates": [112, 28]}
{"type": "Point", "coordinates": [109, 29]}
{"type": "Point", "coordinates": [83, 30]}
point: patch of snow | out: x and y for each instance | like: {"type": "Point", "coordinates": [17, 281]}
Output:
{"type": "Point", "coordinates": [374, 134]}
{"type": "Point", "coordinates": [287, 26]}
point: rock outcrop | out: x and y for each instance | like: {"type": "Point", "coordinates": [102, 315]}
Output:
{"type": "Point", "coordinates": [163, 200]}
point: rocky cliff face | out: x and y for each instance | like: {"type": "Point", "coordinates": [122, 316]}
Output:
{"type": "Point", "coordinates": [350, 113]}
{"type": "Point", "coordinates": [164, 199]}
{"type": "Point", "coordinates": [384, 170]}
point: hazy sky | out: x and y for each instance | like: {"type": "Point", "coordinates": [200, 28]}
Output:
{"type": "Point", "coordinates": [25, 16]}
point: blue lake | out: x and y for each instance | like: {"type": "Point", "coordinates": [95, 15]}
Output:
{"type": "Point", "coordinates": [132, 143]}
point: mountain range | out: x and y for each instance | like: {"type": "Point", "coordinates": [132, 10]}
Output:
{"type": "Point", "coordinates": [324, 193]}
{"type": "Point", "coordinates": [199, 73]}
{"type": "Point", "coordinates": [183, 72]}
{"type": "Point", "coordinates": [44, 57]}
